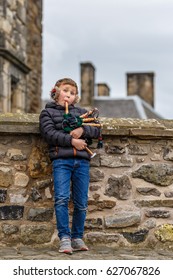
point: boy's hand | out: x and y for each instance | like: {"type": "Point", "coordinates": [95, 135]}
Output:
{"type": "Point", "coordinates": [79, 144]}
{"type": "Point", "coordinates": [77, 132]}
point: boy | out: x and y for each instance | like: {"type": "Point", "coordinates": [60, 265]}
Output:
{"type": "Point", "coordinates": [70, 163]}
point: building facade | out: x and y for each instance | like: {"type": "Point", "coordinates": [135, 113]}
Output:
{"type": "Point", "coordinates": [20, 55]}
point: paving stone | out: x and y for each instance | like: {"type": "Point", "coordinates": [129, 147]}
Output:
{"type": "Point", "coordinates": [95, 253]}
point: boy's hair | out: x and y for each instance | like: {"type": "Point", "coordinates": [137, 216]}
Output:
{"type": "Point", "coordinates": [65, 81]}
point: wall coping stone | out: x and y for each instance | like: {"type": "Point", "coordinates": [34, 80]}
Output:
{"type": "Point", "coordinates": [29, 123]}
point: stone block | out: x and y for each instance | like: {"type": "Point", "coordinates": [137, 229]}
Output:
{"type": "Point", "coordinates": [94, 223]}
{"type": "Point", "coordinates": [15, 154]}
{"type": "Point", "coordinates": [96, 175]}
{"type": "Point", "coordinates": [164, 233]}
{"type": "Point", "coordinates": [36, 234]}
{"type": "Point", "coordinates": [154, 203]}
{"type": "Point", "coordinates": [9, 229]}
{"type": "Point", "coordinates": [3, 195]}
{"type": "Point", "coordinates": [157, 213]}
{"type": "Point", "coordinates": [136, 237]}
{"type": "Point", "coordinates": [12, 212]}
{"type": "Point", "coordinates": [159, 174]}
{"type": "Point", "coordinates": [39, 163]}
{"type": "Point", "coordinates": [100, 205]}
{"type": "Point", "coordinates": [138, 150]}
{"type": "Point", "coordinates": [123, 219]}
{"type": "Point", "coordinates": [119, 187]}
{"type": "Point", "coordinates": [21, 179]}
{"type": "Point", "coordinates": [40, 214]}
{"type": "Point", "coordinates": [148, 191]}
{"type": "Point", "coordinates": [116, 161]}
{"type": "Point", "coordinates": [6, 177]}
{"type": "Point", "coordinates": [101, 237]}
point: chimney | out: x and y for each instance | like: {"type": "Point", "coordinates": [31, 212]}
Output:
{"type": "Point", "coordinates": [87, 84]}
{"type": "Point", "coordinates": [103, 89]}
{"type": "Point", "coordinates": [141, 84]}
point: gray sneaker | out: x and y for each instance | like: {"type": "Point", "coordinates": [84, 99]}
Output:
{"type": "Point", "coordinates": [78, 245]}
{"type": "Point", "coordinates": [65, 246]}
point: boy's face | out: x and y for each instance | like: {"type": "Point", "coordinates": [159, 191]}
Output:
{"type": "Point", "coordinates": [67, 94]}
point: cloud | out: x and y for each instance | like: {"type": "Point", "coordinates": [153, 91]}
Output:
{"type": "Point", "coordinates": [117, 36]}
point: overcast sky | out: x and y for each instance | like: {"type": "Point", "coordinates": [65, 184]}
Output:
{"type": "Point", "coordinates": [116, 36]}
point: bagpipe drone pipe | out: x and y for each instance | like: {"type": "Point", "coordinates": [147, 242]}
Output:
{"type": "Point", "coordinates": [89, 118]}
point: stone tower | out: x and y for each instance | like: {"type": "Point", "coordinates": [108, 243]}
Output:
{"type": "Point", "coordinates": [103, 89]}
{"type": "Point", "coordinates": [141, 84]}
{"type": "Point", "coordinates": [87, 84]}
{"type": "Point", "coordinates": [20, 55]}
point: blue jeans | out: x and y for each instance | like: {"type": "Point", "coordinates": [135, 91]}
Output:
{"type": "Point", "coordinates": [67, 174]}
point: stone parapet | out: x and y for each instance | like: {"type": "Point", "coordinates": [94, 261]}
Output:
{"type": "Point", "coordinates": [131, 184]}
{"type": "Point", "coordinates": [110, 126]}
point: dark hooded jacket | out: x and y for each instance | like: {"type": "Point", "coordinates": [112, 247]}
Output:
{"type": "Point", "coordinates": [59, 141]}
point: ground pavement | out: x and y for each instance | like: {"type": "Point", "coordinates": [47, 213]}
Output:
{"type": "Point", "coordinates": [95, 253]}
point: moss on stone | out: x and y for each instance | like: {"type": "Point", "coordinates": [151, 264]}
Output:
{"type": "Point", "coordinates": [164, 233]}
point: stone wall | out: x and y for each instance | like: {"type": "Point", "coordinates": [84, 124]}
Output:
{"type": "Point", "coordinates": [131, 184]}
{"type": "Point", "coordinates": [20, 55]}
{"type": "Point", "coordinates": [34, 55]}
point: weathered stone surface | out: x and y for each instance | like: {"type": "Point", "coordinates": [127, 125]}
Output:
{"type": "Point", "coordinates": [40, 214]}
{"type": "Point", "coordinates": [3, 195]}
{"type": "Point", "coordinates": [114, 149]}
{"type": "Point", "coordinates": [18, 198]}
{"type": "Point", "coordinates": [149, 191]}
{"type": "Point", "coordinates": [2, 154]}
{"type": "Point", "coordinates": [15, 154]}
{"type": "Point", "coordinates": [42, 184]}
{"type": "Point", "coordinates": [136, 237]}
{"type": "Point", "coordinates": [154, 203]}
{"type": "Point", "coordinates": [156, 157]}
{"type": "Point", "coordinates": [99, 205]}
{"type": "Point", "coordinates": [168, 193]}
{"type": "Point", "coordinates": [48, 194]}
{"type": "Point", "coordinates": [36, 234]}
{"type": "Point", "coordinates": [12, 212]}
{"type": "Point", "coordinates": [35, 194]}
{"type": "Point", "coordinates": [150, 223]}
{"type": "Point", "coordinates": [159, 174]}
{"type": "Point", "coordinates": [140, 159]}
{"type": "Point", "coordinates": [132, 126]}
{"type": "Point", "coordinates": [114, 161]}
{"type": "Point", "coordinates": [157, 213]}
{"type": "Point", "coordinates": [6, 177]}
{"type": "Point", "coordinates": [96, 196]}
{"type": "Point", "coordinates": [94, 187]}
{"type": "Point", "coordinates": [20, 167]}
{"type": "Point", "coordinates": [40, 187]}
{"type": "Point", "coordinates": [96, 175]}
{"type": "Point", "coordinates": [1, 233]}
{"type": "Point", "coordinates": [21, 179]}
{"type": "Point", "coordinates": [164, 233]}
{"type": "Point", "coordinates": [123, 219]}
{"type": "Point", "coordinates": [39, 163]}
{"type": "Point", "coordinates": [119, 187]}
{"type": "Point", "coordinates": [101, 237]}
{"type": "Point", "coordinates": [95, 162]}
{"type": "Point", "coordinates": [94, 223]}
{"type": "Point", "coordinates": [168, 154]}
{"type": "Point", "coordinates": [9, 229]}
{"type": "Point", "coordinates": [138, 150]}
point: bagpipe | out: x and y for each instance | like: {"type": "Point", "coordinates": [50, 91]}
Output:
{"type": "Point", "coordinates": [89, 118]}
